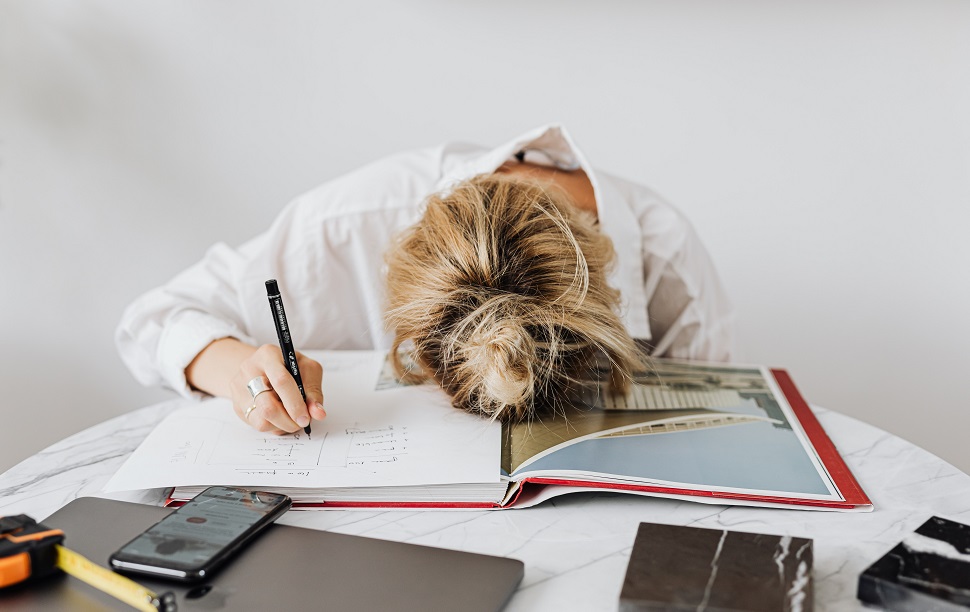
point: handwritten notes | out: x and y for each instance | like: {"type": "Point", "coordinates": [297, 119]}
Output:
{"type": "Point", "coordinates": [402, 436]}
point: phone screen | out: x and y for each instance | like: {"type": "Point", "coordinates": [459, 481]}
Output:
{"type": "Point", "coordinates": [194, 539]}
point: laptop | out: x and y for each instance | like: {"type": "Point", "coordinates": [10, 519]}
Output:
{"type": "Point", "coordinates": [286, 568]}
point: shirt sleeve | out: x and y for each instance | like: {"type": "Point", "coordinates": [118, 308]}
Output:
{"type": "Point", "coordinates": [162, 331]}
{"type": "Point", "coordinates": [340, 226]}
{"type": "Point", "coordinates": [689, 312]}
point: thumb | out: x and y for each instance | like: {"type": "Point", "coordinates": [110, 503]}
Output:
{"type": "Point", "coordinates": [312, 373]}
{"type": "Point", "coordinates": [314, 400]}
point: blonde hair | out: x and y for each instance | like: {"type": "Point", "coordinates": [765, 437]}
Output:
{"type": "Point", "coordinates": [500, 291]}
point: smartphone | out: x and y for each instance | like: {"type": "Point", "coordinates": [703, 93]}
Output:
{"type": "Point", "coordinates": [190, 543]}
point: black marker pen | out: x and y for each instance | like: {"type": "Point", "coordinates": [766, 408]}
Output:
{"type": "Point", "coordinates": [283, 333]}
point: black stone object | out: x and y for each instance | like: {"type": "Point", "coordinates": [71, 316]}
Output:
{"type": "Point", "coordinates": [691, 568]}
{"type": "Point", "coordinates": [928, 570]}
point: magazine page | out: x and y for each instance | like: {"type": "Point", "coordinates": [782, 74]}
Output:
{"type": "Point", "coordinates": [708, 427]}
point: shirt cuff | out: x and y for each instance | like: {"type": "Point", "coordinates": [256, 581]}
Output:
{"type": "Point", "coordinates": [186, 334]}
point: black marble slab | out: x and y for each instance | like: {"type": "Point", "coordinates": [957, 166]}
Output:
{"type": "Point", "coordinates": [928, 570]}
{"type": "Point", "coordinates": [711, 570]}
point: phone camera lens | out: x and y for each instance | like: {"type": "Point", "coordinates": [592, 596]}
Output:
{"type": "Point", "coordinates": [198, 592]}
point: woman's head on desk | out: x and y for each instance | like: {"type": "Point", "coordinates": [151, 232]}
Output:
{"type": "Point", "coordinates": [499, 293]}
{"type": "Point", "coordinates": [496, 288]}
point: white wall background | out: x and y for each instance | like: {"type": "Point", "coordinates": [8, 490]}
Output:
{"type": "Point", "coordinates": [822, 149]}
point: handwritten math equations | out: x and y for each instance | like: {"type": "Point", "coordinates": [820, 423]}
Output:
{"type": "Point", "coordinates": [398, 436]}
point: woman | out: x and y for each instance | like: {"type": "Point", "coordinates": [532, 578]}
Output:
{"type": "Point", "coordinates": [503, 273]}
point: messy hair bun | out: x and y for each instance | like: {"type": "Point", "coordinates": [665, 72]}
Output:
{"type": "Point", "coordinates": [500, 291]}
{"type": "Point", "coordinates": [501, 354]}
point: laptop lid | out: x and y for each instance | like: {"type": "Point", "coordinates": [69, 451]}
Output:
{"type": "Point", "coordinates": [286, 568]}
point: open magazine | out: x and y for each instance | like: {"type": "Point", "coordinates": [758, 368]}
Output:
{"type": "Point", "coordinates": [716, 433]}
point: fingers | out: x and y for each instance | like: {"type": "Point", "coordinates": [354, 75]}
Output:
{"type": "Point", "coordinates": [282, 409]}
{"type": "Point", "coordinates": [268, 414]}
{"type": "Point", "coordinates": [312, 373]}
{"type": "Point", "coordinates": [288, 392]}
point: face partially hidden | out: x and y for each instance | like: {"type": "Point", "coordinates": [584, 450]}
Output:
{"type": "Point", "coordinates": [575, 183]}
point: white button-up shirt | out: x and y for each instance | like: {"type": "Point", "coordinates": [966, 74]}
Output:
{"type": "Point", "coordinates": [326, 251]}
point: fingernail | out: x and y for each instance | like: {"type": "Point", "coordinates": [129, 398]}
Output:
{"type": "Point", "coordinates": [303, 421]}
{"type": "Point", "coordinates": [320, 408]}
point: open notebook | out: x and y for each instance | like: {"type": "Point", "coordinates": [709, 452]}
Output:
{"type": "Point", "coordinates": [716, 433]}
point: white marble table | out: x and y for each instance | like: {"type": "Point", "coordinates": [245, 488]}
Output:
{"type": "Point", "coordinates": [575, 548]}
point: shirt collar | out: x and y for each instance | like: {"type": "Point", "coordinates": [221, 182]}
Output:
{"type": "Point", "coordinates": [552, 145]}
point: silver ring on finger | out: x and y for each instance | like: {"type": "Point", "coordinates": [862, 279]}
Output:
{"type": "Point", "coordinates": [255, 395]}
{"type": "Point", "coordinates": [258, 385]}
{"type": "Point", "coordinates": [253, 407]}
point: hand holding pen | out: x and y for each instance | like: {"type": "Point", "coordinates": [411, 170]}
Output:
{"type": "Point", "coordinates": [275, 383]}
{"type": "Point", "coordinates": [268, 398]}
{"type": "Point", "coordinates": [260, 381]}
{"type": "Point", "coordinates": [286, 347]}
